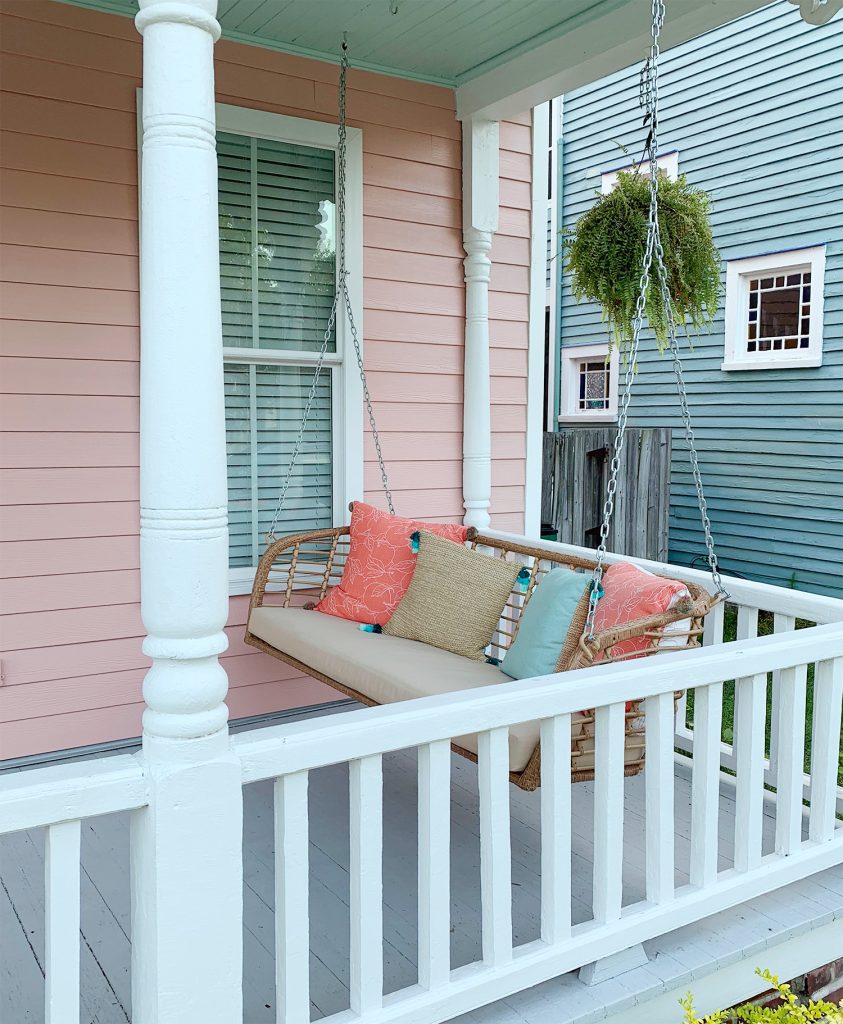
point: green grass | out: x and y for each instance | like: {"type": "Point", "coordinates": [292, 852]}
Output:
{"type": "Point", "coordinates": [765, 627]}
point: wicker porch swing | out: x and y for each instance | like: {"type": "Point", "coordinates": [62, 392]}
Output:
{"type": "Point", "coordinates": [298, 570]}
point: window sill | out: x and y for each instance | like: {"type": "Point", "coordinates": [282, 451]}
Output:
{"type": "Point", "coordinates": [802, 363]}
{"type": "Point", "coordinates": [590, 417]}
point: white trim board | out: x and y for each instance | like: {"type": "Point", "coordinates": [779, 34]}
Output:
{"type": "Point", "coordinates": [587, 47]}
{"type": "Point", "coordinates": [738, 982]}
{"type": "Point", "coordinates": [536, 342]}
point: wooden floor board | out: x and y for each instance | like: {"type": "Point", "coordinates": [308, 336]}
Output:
{"type": "Point", "coordinates": [674, 959]}
{"type": "Point", "coordinates": [21, 976]}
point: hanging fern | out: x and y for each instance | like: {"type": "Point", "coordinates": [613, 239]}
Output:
{"type": "Point", "coordinates": [606, 250]}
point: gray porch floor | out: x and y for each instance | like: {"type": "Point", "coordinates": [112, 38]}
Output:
{"type": "Point", "coordinates": [675, 959]}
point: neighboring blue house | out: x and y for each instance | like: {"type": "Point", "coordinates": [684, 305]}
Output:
{"type": "Point", "coordinates": [753, 113]}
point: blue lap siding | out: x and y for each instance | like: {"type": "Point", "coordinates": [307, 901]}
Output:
{"type": "Point", "coordinates": [755, 110]}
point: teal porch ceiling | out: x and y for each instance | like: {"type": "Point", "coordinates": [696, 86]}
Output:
{"type": "Point", "coordinates": [445, 42]}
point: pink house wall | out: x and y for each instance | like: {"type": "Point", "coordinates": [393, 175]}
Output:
{"type": "Point", "coordinates": [70, 623]}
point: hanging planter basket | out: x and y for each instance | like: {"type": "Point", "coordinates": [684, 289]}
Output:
{"type": "Point", "coordinates": [606, 248]}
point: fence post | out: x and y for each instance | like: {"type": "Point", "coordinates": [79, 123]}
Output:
{"type": "Point", "coordinates": [186, 844]}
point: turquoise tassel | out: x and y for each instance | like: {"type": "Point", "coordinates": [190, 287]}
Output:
{"type": "Point", "coordinates": [366, 628]}
{"type": "Point", "coordinates": [523, 578]}
{"type": "Point", "coordinates": [414, 542]}
{"type": "Point", "coordinates": [493, 661]}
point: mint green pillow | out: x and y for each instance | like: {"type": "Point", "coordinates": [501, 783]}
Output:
{"type": "Point", "coordinates": [556, 610]}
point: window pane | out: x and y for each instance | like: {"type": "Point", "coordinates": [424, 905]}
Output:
{"type": "Point", "coordinates": [277, 243]}
{"type": "Point", "coordinates": [263, 408]}
{"type": "Point", "coordinates": [594, 386]}
{"type": "Point", "coordinates": [779, 312]}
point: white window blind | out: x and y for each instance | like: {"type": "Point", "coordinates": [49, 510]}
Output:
{"type": "Point", "coordinates": [263, 409]}
{"type": "Point", "coordinates": [277, 277]}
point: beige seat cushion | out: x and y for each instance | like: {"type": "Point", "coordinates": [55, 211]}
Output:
{"type": "Point", "coordinates": [384, 668]}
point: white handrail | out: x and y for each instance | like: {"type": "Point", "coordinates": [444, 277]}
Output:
{"type": "Point", "coordinates": [67, 792]}
{"type": "Point", "coordinates": [302, 746]}
{"type": "Point", "coordinates": [813, 607]}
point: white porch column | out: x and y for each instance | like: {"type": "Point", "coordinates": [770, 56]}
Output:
{"type": "Point", "coordinates": [480, 221]}
{"type": "Point", "coordinates": [186, 860]}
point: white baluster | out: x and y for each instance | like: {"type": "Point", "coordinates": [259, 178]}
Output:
{"type": "Point", "coordinates": [750, 722]}
{"type": "Point", "coordinates": [793, 684]}
{"type": "Point", "coordinates": [292, 886]}
{"type": "Point", "coordinates": [781, 624]}
{"type": "Point", "coordinates": [366, 882]}
{"type": "Point", "coordinates": [746, 629]}
{"type": "Point", "coordinates": [705, 784]}
{"type": "Point", "coordinates": [713, 625]}
{"type": "Point", "coordinates": [61, 891]}
{"type": "Point", "coordinates": [747, 625]}
{"type": "Point", "coordinates": [825, 748]}
{"type": "Point", "coordinates": [556, 828]}
{"type": "Point", "coordinates": [658, 778]}
{"type": "Point", "coordinates": [495, 846]}
{"type": "Point", "coordinates": [434, 863]}
{"type": "Point", "coordinates": [608, 813]}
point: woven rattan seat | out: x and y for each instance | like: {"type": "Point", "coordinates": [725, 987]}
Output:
{"type": "Point", "coordinates": [298, 570]}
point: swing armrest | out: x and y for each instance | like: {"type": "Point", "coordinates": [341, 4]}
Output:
{"type": "Point", "coordinates": [287, 550]}
{"type": "Point", "coordinates": [652, 627]}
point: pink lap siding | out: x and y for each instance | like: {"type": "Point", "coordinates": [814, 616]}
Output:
{"type": "Point", "coordinates": [70, 628]}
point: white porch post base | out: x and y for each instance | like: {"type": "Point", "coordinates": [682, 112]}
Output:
{"type": "Point", "coordinates": [186, 856]}
{"type": "Point", "coordinates": [480, 220]}
{"type": "Point", "coordinates": [612, 966]}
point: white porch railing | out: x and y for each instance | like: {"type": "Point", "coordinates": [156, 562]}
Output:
{"type": "Point", "coordinates": [754, 607]}
{"type": "Point", "coordinates": [808, 835]}
{"type": "Point", "coordinates": [361, 738]}
{"type": "Point", "coordinates": [58, 798]}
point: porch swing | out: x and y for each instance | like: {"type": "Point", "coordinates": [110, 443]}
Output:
{"type": "Point", "coordinates": [296, 571]}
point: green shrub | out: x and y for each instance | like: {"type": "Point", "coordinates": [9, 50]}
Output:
{"type": "Point", "coordinates": [606, 250]}
{"type": "Point", "coordinates": [790, 1012]}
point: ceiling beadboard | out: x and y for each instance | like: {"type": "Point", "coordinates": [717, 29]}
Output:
{"type": "Point", "coordinates": [437, 41]}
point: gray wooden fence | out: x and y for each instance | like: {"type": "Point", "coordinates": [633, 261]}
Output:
{"type": "Point", "coordinates": [575, 472]}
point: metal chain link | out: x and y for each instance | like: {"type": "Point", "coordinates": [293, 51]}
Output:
{"type": "Point", "coordinates": [342, 292]}
{"type": "Point", "coordinates": [653, 254]}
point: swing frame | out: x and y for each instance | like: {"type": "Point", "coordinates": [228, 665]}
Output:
{"type": "Point", "coordinates": [298, 570]}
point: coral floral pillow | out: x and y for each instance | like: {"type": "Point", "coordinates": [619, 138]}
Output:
{"type": "Point", "coordinates": [380, 564]}
{"type": "Point", "coordinates": [631, 593]}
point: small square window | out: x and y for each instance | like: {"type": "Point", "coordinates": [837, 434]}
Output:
{"type": "Point", "coordinates": [589, 386]}
{"type": "Point", "coordinates": [774, 310]}
{"type": "Point", "coordinates": [594, 386]}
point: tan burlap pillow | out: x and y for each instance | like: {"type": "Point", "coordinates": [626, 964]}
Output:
{"type": "Point", "coordinates": [455, 598]}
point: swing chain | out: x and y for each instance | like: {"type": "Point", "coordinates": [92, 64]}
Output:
{"type": "Point", "coordinates": [342, 293]}
{"type": "Point", "coordinates": [654, 252]}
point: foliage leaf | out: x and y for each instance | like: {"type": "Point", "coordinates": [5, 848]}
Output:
{"type": "Point", "coordinates": [606, 249]}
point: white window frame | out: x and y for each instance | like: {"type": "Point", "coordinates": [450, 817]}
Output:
{"type": "Point", "coordinates": [347, 447]}
{"type": "Point", "coordinates": [346, 387]}
{"type": "Point", "coordinates": [738, 274]}
{"type": "Point", "coordinates": [668, 162]}
{"type": "Point", "coordinates": [572, 356]}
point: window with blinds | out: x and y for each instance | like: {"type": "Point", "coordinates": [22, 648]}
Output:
{"type": "Point", "coordinates": [277, 277]}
